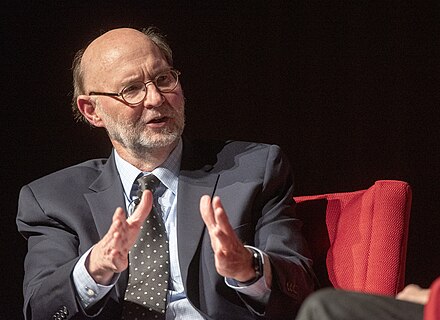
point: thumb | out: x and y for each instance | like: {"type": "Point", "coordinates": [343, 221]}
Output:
{"type": "Point", "coordinates": [206, 210]}
{"type": "Point", "coordinates": [143, 209]}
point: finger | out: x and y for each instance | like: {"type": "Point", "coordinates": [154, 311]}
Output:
{"type": "Point", "coordinates": [221, 218]}
{"type": "Point", "coordinates": [225, 243]}
{"type": "Point", "coordinates": [119, 214]}
{"type": "Point", "coordinates": [207, 211]}
{"type": "Point", "coordinates": [142, 210]}
{"type": "Point", "coordinates": [119, 245]}
{"type": "Point", "coordinates": [118, 221]}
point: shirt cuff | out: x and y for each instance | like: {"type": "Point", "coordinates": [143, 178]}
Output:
{"type": "Point", "coordinates": [88, 291]}
{"type": "Point", "coordinates": [259, 290]}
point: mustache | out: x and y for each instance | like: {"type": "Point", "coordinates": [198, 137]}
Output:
{"type": "Point", "coordinates": [157, 113]}
{"type": "Point", "coordinates": [155, 118]}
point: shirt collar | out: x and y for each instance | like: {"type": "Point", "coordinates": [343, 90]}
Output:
{"type": "Point", "coordinates": [167, 172]}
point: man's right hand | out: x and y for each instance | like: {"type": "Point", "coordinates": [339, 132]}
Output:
{"type": "Point", "coordinates": [110, 254]}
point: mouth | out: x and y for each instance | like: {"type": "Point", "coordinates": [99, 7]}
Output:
{"type": "Point", "coordinates": [159, 121]}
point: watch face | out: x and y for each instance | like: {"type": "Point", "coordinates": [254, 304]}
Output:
{"type": "Point", "coordinates": [258, 264]}
{"type": "Point", "coordinates": [258, 267]}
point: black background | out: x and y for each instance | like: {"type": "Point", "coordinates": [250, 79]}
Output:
{"type": "Point", "coordinates": [349, 89]}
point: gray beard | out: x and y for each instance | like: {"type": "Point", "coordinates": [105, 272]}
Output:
{"type": "Point", "coordinates": [137, 142]}
{"type": "Point", "coordinates": [141, 147]}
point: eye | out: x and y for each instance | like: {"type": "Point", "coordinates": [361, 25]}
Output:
{"type": "Point", "coordinates": [133, 89]}
{"type": "Point", "coordinates": [164, 80]}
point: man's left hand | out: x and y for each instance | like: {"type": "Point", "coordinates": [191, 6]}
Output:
{"type": "Point", "coordinates": [232, 259]}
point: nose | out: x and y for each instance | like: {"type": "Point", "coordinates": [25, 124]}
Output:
{"type": "Point", "coordinates": [154, 97]}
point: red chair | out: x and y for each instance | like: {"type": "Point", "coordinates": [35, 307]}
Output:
{"type": "Point", "coordinates": [432, 308]}
{"type": "Point", "coordinates": [358, 240]}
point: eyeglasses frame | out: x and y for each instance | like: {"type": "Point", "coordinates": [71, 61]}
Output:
{"type": "Point", "coordinates": [153, 81]}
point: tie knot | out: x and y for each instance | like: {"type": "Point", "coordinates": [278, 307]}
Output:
{"type": "Point", "coordinates": [147, 182]}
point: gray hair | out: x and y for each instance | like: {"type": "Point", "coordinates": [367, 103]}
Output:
{"type": "Point", "coordinates": [152, 33]}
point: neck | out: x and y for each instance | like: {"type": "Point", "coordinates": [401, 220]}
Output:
{"type": "Point", "coordinates": [147, 159]}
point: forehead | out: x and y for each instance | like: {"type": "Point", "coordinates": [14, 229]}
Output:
{"type": "Point", "coordinates": [119, 54]}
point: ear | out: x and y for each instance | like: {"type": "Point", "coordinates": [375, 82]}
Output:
{"type": "Point", "coordinates": [87, 107]}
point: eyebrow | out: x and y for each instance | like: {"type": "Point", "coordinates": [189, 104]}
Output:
{"type": "Point", "coordinates": [125, 83]}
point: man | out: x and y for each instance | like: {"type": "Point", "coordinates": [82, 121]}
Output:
{"type": "Point", "coordinates": [412, 303]}
{"type": "Point", "coordinates": [79, 236]}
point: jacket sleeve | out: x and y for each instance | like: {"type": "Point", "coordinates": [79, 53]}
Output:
{"type": "Point", "coordinates": [52, 255]}
{"type": "Point", "coordinates": [279, 236]}
{"type": "Point", "coordinates": [53, 251]}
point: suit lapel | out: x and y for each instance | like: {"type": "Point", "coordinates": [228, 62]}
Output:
{"type": "Point", "coordinates": [189, 222]}
{"type": "Point", "coordinates": [106, 196]}
{"type": "Point", "coordinates": [197, 177]}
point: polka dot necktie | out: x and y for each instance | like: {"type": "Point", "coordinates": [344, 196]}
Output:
{"type": "Point", "coordinates": [147, 288]}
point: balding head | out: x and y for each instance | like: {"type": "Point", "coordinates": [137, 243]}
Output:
{"type": "Point", "coordinates": [103, 53]}
{"type": "Point", "coordinates": [107, 52]}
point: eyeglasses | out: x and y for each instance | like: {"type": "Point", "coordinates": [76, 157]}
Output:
{"type": "Point", "coordinates": [135, 92]}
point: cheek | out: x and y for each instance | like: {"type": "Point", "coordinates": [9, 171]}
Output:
{"type": "Point", "coordinates": [134, 113]}
{"type": "Point", "coordinates": [177, 101]}
{"type": "Point", "coordinates": [119, 113]}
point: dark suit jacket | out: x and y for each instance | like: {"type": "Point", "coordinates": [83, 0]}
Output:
{"type": "Point", "coordinates": [63, 214]}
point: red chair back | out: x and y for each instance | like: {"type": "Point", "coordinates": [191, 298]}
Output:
{"type": "Point", "coordinates": [358, 239]}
